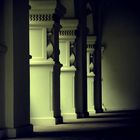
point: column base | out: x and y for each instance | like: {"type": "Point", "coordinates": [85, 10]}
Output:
{"type": "Point", "coordinates": [43, 121]}
{"type": "Point", "coordinates": [69, 116]}
{"type": "Point", "coordinates": [2, 134]}
{"type": "Point", "coordinates": [46, 121]}
{"type": "Point", "coordinates": [22, 131]}
{"type": "Point", "coordinates": [91, 112]}
{"type": "Point", "coordinates": [82, 115]}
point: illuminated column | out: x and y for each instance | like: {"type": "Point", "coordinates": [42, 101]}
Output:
{"type": "Point", "coordinates": [17, 103]}
{"type": "Point", "coordinates": [42, 63]}
{"type": "Point", "coordinates": [67, 58]}
{"type": "Point", "coordinates": [45, 65]}
{"type": "Point", "coordinates": [90, 74]}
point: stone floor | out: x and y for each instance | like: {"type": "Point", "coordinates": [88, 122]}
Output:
{"type": "Point", "coordinates": [99, 127]}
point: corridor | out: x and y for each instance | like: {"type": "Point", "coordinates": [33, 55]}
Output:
{"type": "Point", "coordinates": [102, 126]}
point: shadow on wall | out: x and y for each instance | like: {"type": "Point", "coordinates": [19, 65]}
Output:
{"type": "Point", "coordinates": [120, 63]}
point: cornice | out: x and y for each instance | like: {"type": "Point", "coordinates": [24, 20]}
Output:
{"type": "Point", "coordinates": [42, 5]}
{"type": "Point", "coordinates": [41, 10]}
{"type": "Point", "coordinates": [90, 42]}
{"type": "Point", "coordinates": [69, 23]}
{"type": "Point", "coordinates": [68, 29]}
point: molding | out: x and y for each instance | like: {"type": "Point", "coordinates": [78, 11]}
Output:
{"type": "Point", "coordinates": [43, 5]}
{"type": "Point", "coordinates": [47, 24]}
{"type": "Point", "coordinates": [68, 29]}
{"type": "Point", "coordinates": [91, 41]}
{"type": "Point", "coordinates": [40, 17]}
{"type": "Point", "coordinates": [91, 112]}
{"type": "Point", "coordinates": [69, 23]}
{"type": "Point", "coordinates": [90, 49]}
{"type": "Point", "coordinates": [43, 121]}
{"type": "Point", "coordinates": [41, 62]}
{"type": "Point", "coordinates": [68, 69]}
{"type": "Point", "coordinates": [42, 12]}
{"type": "Point", "coordinates": [91, 38]}
{"type": "Point", "coordinates": [67, 32]}
{"type": "Point", "coordinates": [66, 38]}
{"type": "Point", "coordinates": [69, 116]}
{"type": "Point", "coordinates": [19, 131]}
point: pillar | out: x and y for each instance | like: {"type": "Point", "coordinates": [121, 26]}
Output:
{"type": "Point", "coordinates": [67, 77]}
{"type": "Point", "coordinates": [45, 65]}
{"type": "Point", "coordinates": [42, 63]}
{"type": "Point", "coordinates": [90, 74]}
{"type": "Point", "coordinates": [59, 12]}
{"type": "Point", "coordinates": [97, 59]}
{"type": "Point", "coordinates": [17, 97]}
{"type": "Point", "coordinates": [81, 74]}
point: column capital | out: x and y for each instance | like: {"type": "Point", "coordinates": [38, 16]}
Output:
{"type": "Point", "coordinates": [41, 12]}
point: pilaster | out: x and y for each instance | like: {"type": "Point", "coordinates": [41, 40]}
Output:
{"type": "Point", "coordinates": [67, 58]}
{"type": "Point", "coordinates": [16, 83]}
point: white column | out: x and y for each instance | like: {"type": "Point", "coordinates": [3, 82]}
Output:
{"type": "Point", "coordinates": [67, 77]}
{"type": "Point", "coordinates": [90, 74]}
{"type": "Point", "coordinates": [41, 64]}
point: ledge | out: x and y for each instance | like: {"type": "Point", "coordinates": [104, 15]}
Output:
{"type": "Point", "coordinates": [67, 38]}
{"type": "Point", "coordinates": [41, 62]}
{"type": "Point", "coordinates": [42, 5]}
{"type": "Point", "coordinates": [47, 24]}
{"type": "Point", "coordinates": [68, 69]}
{"type": "Point", "coordinates": [69, 23]}
{"type": "Point", "coordinates": [90, 49]}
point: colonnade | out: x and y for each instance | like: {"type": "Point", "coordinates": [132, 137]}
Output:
{"type": "Point", "coordinates": [40, 67]}
{"type": "Point", "coordinates": [51, 86]}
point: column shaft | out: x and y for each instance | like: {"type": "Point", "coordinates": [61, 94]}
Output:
{"type": "Point", "coordinates": [57, 65]}
{"type": "Point", "coordinates": [81, 74]}
{"type": "Point", "coordinates": [97, 57]}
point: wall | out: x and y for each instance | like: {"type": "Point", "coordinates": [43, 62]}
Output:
{"type": "Point", "coordinates": [69, 5]}
{"type": "Point", "coordinates": [120, 63]}
{"type": "Point", "coordinates": [1, 70]}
